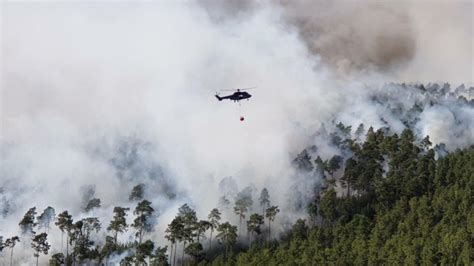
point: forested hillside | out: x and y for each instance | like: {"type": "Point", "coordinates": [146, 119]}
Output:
{"type": "Point", "coordinates": [392, 202]}
{"type": "Point", "coordinates": [421, 211]}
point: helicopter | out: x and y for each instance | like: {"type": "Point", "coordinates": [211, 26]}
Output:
{"type": "Point", "coordinates": [238, 95]}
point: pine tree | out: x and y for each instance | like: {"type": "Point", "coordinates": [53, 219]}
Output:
{"type": "Point", "coordinates": [224, 203]}
{"type": "Point", "coordinates": [240, 209]}
{"type": "Point", "coordinates": [426, 143]}
{"type": "Point", "coordinates": [227, 234]}
{"type": "Point", "coordinates": [194, 250]}
{"type": "Point", "coordinates": [174, 235]}
{"type": "Point", "coordinates": [144, 250]}
{"type": "Point", "coordinates": [360, 130]}
{"type": "Point", "coordinates": [264, 200]}
{"type": "Point", "coordinates": [40, 245]}
{"type": "Point", "coordinates": [28, 222]}
{"type": "Point", "coordinates": [299, 230]}
{"type": "Point", "coordinates": [350, 175]}
{"type": "Point", "coordinates": [81, 235]}
{"type": "Point", "coordinates": [334, 164]}
{"type": "Point", "coordinates": [10, 243]}
{"type": "Point", "coordinates": [143, 212]}
{"type": "Point", "coordinates": [312, 211]}
{"type": "Point", "coordinates": [65, 223]}
{"type": "Point", "coordinates": [327, 208]}
{"type": "Point", "coordinates": [189, 220]}
{"type": "Point", "coordinates": [201, 227]}
{"type": "Point", "coordinates": [253, 225]}
{"type": "Point", "coordinates": [57, 259]}
{"type": "Point", "coordinates": [271, 214]}
{"type": "Point", "coordinates": [137, 192]}
{"type": "Point", "coordinates": [159, 257]}
{"type": "Point", "coordinates": [302, 162]}
{"type": "Point", "coordinates": [92, 204]}
{"type": "Point", "coordinates": [46, 218]}
{"type": "Point", "coordinates": [243, 202]}
{"type": "Point", "coordinates": [108, 248]}
{"type": "Point", "coordinates": [214, 218]}
{"type": "Point", "coordinates": [119, 222]}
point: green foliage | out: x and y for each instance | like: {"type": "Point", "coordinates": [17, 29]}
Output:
{"type": "Point", "coordinates": [137, 192]}
{"type": "Point", "coordinates": [160, 258]}
{"type": "Point", "coordinates": [189, 223]}
{"type": "Point", "coordinates": [80, 238]}
{"type": "Point", "coordinates": [243, 202]}
{"type": "Point", "coordinates": [119, 222]}
{"type": "Point", "coordinates": [227, 235]}
{"type": "Point", "coordinates": [143, 212]}
{"type": "Point", "coordinates": [64, 221]}
{"type": "Point", "coordinates": [46, 217]}
{"type": "Point", "coordinates": [11, 243]}
{"type": "Point", "coordinates": [214, 217]}
{"type": "Point", "coordinates": [303, 162]}
{"type": "Point", "coordinates": [400, 205]}
{"type": "Point", "coordinates": [253, 224]}
{"type": "Point", "coordinates": [201, 227]}
{"type": "Point", "coordinates": [270, 215]}
{"type": "Point", "coordinates": [418, 211]}
{"type": "Point", "coordinates": [28, 222]}
{"type": "Point", "coordinates": [57, 259]}
{"type": "Point", "coordinates": [144, 250]}
{"type": "Point", "coordinates": [40, 245]}
{"type": "Point", "coordinates": [195, 250]}
{"type": "Point", "coordinates": [264, 200]}
{"type": "Point", "coordinates": [92, 204]}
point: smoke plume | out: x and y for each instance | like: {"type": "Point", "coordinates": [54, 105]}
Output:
{"type": "Point", "coordinates": [111, 95]}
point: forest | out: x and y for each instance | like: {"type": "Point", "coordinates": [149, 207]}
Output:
{"type": "Point", "coordinates": [389, 199]}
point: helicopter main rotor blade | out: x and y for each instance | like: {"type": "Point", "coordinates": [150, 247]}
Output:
{"type": "Point", "coordinates": [243, 89]}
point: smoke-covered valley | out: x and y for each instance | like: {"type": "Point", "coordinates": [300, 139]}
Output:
{"type": "Point", "coordinates": [97, 98]}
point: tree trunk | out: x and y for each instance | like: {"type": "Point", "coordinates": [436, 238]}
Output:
{"type": "Point", "coordinates": [226, 246]}
{"type": "Point", "coordinates": [73, 254]}
{"type": "Point", "coordinates": [62, 236]}
{"type": "Point", "coordinates": [210, 239]}
{"type": "Point", "coordinates": [182, 256]}
{"type": "Point", "coordinates": [174, 258]}
{"type": "Point", "coordinates": [67, 246]}
{"type": "Point", "coordinates": [171, 252]}
{"type": "Point", "coordinates": [240, 224]}
{"type": "Point", "coordinates": [140, 236]}
{"type": "Point", "coordinates": [269, 231]}
{"type": "Point", "coordinates": [11, 257]}
{"type": "Point", "coordinates": [37, 257]}
{"type": "Point", "coordinates": [115, 238]}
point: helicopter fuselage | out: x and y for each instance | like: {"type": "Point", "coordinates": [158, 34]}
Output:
{"type": "Point", "coordinates": [236, 96]}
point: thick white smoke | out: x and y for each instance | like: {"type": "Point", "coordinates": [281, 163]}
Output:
{"type": "Point", "coordinates": [110, 95]}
